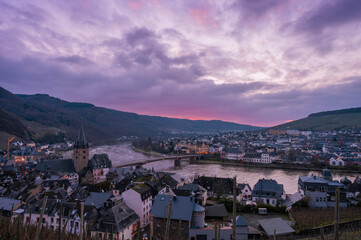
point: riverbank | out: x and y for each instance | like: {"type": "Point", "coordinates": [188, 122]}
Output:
{"type": "Point", "coordinates": [154, 154]}
{"type": "Point", "coordinates": [297, 167]}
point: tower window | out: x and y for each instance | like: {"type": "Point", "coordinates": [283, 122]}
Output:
{"type": "Point", "coordinates": [84, 151]}
{"type": "Point", "coordinates": [83, 157]}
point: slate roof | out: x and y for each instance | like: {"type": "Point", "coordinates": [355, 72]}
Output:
{"type": "Point", "coordinates": [80, 194]}
{"type": "Point", "coordinates": [56, 165]}
{"type": "Point", "coordinates": [7, 203]}
{"type": "Point", "coordinates": [264, 186]}
{"type": "Point", "coordinates": [243, 185]}
{"type": "Point", "coordinates": [182, 207]}
{"type": "Point", "coordinates": [144, 191]}
{"type": "Point", "coordinates": [167, 180]}
{"type": "Point", "coordinates": [216, 211]}
{"type": "Point", "coordinates": [313, 179]}
{"type": "Point", "coordinates": [100, 161]}
{"type": "Point", "coordinates": [326, 173]}
{"type": "Point", "coordinates": [59, 182]}
{"type": "Point", "coordinates": [241, 222]}
{"type": "Point", "coordinates": [192, 187]}
{"type": "Point", "coordinates": [198, 208]}
{"type": "Point", "coordinates": [292, 199]}
{"type": "Point", "coordinates": [182, 192]}
{"type": "Point", "coordinates": [345, 181]}
{"type": "Point", "coordinates": [97, 199]}
{"type": "Point", "coordinates": [355, 186]}
{"type": "Point", "coordinates": [115, 219]}
{"type": "Point", "coordinates": [232, 150]}
{"type": "Point", "coordinates": [82, 142]}
{"type": "Point", "coordinates": [215, 184]}
{"type": "Point", "coordinates": [269, 225]}
{"type": "Point", "coordinates": [36, 207]}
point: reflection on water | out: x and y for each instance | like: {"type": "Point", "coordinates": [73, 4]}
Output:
{"type": "Point", "coordinates": [124, 153]}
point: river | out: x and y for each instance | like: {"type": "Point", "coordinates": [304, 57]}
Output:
{"type": "Point", "coordinates": [124, 153]}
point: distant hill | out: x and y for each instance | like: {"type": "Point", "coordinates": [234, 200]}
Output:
{"type": "Point", "coordinates": [329, 120]}
{"type": "Point", "coordinates": [12, 125]}
{"type": "Point", "coordinates": [43, 114]}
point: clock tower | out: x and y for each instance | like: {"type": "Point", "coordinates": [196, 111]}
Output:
{"type": "Point", "coordinates": [81, 152]}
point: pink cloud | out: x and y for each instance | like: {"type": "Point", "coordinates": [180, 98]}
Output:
{"type": "Point", "coordinates": [135, 5]}
{"type": "Point", "coordinates": [203, 17]}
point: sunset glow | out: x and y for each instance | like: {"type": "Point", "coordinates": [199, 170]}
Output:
{"type": "Point", "coordinates": [252, 62]}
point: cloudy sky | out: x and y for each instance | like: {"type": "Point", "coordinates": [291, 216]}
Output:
{"type": "Point", "coordinates": [260, 62]}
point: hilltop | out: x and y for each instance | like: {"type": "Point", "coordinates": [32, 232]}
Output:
{"type": "Point", "coordinates": [43, 115]}
{"type": "Point", "coordinates": [328, 120]}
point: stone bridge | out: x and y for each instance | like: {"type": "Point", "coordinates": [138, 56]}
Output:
{"type": "Point", "coordinates": [177, 160]}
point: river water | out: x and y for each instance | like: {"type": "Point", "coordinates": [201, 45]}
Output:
{"type": "Point", "coordinates": [124, 153]}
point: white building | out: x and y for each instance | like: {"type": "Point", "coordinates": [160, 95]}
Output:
{"type": "Point", "coordinates": [258, 158]}
{"type": "Point", "coordinates": [268, 191]}
{"type": "Point", "coordinates": [138, 198]}
{"type": "Point", "coordinates": [70, 215]}
{"type": "Point", "coordinates": [245, 191]}
{"type": "Point", "coordinates": [100, 165]}
{"type": "Point", "coordinates": [336, 162]}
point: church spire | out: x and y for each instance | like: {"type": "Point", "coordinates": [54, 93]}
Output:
{"type": "Point", "coordinates": [82, 142]}
{"type": "Point", "coordinates": [81, 152]}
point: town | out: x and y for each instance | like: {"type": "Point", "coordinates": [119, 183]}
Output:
{"type": "Point", "coordinates": [340, 149]}
{"type": "Point", "coordinates": [87, 197]}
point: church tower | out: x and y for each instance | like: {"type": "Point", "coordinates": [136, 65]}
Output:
{"type": "Point", "coordinates": [81, 152]}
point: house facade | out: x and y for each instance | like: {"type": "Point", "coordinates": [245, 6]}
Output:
{"type": "Point", "coordinates": [258, 158]}
{"type": "Point", "coordinates": [321, 190]}
{"type": "Point", "coordinates": [117, 222]}
{"type": "Point", "coordinates": [336, 162]}
{"type": "Point", "coordinates": [268, 191]}
{"type": "Point", "coordinates": [138, 198]}
{"type": "Point", "coordinates": [100, 165]}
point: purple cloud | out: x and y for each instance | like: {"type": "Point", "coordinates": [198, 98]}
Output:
{"type": "Point", "coordinates": [74, 59]}
{"type": "Point", "coordinates": [329, 15]}
{"type": "Point", "coordinates": [256, 62]}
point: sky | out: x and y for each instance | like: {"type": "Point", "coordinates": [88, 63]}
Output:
{"type": "Point", "coordinates": [258, 62]}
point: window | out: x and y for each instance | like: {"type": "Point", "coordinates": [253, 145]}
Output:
{"type": "Point", "coordinates": [84, 151]}
{"type": "Point", "coordinates": [52, 220]}
{"type": "Point", "coordinates": [317, 200]}
{"type": "Point", "coordinates": [76, 225]}
{"type": "Point", "coordinates": [173, 225]}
